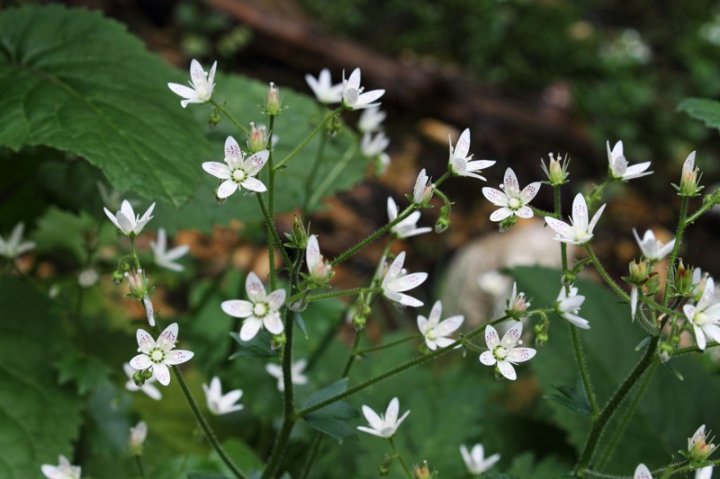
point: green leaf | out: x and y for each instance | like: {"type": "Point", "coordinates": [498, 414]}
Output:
{"type": "Point", "coordinates": [87, 372]}
{"type": "Point", "coordinates": [325, 393]}
{"type": "Point", "coordinates": [58, 229]}
{"type": "Point", "coordinates": [573, 398]}
{"type": "Point", "coordinates": [38, 418]}
{"type": "Point", "coordinates": [340, 170]}
{"type": "Point", "coordinates": [332, 419]}
{"type": "Point", "coordinates": [78, 82]}
{"type": "Point", "coordinates": [257, 347]}
{"type": "Point", "coordinates": [707, 111]}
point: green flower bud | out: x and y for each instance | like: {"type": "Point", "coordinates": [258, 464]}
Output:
{"type": "Point", "coordinates": [273, 105]}
{"type": "Point", "coordinates": [278, 341]}
{"type": "Point", "coordinates": [556, 170]}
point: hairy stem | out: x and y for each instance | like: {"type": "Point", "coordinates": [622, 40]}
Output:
{"type": "Point", "coordinates": [399, 457]}
{"type": "Point", "coordinates": [275, 238]}
{"type": "Point", "coordinates": [307, 139]}
{"type": "Point", "coordinates": [227, 114]}
{"type": "Point", "coordinates": [271, 206]}
{"type": "Point", "coordinates": [604, 274]}
{"type": "Point", "coordinates": [679, 231]}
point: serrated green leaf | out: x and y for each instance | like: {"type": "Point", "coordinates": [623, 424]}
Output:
{"type": "Point", "coordinates": [87, 372]}
{"type": "Point", "coordinates": [705, 110]}
{"type": "Point", "coordinates": [78, 82]}
{"type": "Point", "coordinates": [38, 418]}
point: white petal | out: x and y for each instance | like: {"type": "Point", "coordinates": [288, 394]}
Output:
{"type": "Point", "coordinates": [168, 337]}
{"type": "Point", "coordinates": [524, 212]}
{"type": "Point", "coordinates": [253, 184]}
{"type": "Point", "coordinates": [182, 90]}
{"type": "Point", "coordinates": [530, 191]}
{"type": "Point", "coordinates": [254, 288]}
{"type": "Point", "coordinates": [501, 214]}
{"type": "Point", "coordinates": [494, 196]}
{"type": "Point", "coordinates": [232, 149]}
{"type": "Point", "coordinates": [276, 299]}
{"type": "Point", "coordinates": [217, 169]}
{"type": "Point", "coordinates": [273, 323]}
{"type": "Point", "coordinates": [520, 355]}
{"type": "Point", "coordinates": [487, 358]}
{"type": "Point", "coordinates": [510, 180]}
{"type": "Point", "coordinates": [162, 373]}
{"type": "Point", "coordinates": [449, 326]}
{"type": "Point", "coordinates": [255, 162]}
{"type": "Point", "coordinates": [392, 209]}
{"type": "Point", "coordinates": [141, 362]}
{"type": "Point", "coordinates": [507, 370]}
{"type": "Point", "coordinates": [596, 218]}
{"type": "Point", "coordinates": [407, 282]}
{"type": "Point", "coordinates": [642, 472]}
{"type": "Point", "coordinates": [145, 340]}
{"type": "Point", "coordinates": [580, 212]}
{"type": "Point", "coordinates": [563, 229]}
{"type": "Point", "coordinates": [391, 413]}
{"type": "Point", "coordinates": [226, 188]}
{"type": "Point", "coordinates": [178, 356]}
{"type": "Point", "coordinates": [372, 418]}
{"type": "Point", "coordinates": [462, 147]}
{"type": "Point", "coordinates": [512, 335]}
{"type": "Point", "coordinates": [250, 328]}
{"type": "Point", "coordinates": [491, 337]}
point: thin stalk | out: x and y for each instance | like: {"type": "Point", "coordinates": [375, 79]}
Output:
{"type": "Point", "coordinates": [701, 211]}
{"type": "Point", "coordinates": [272, 231]}
{"type": "Point", "coordinates": [332, 176]}
{"type": "Point", "coordinates": [271, 205]}
{"type": "Point", "coordinates": [609, 410]}
{"type": "Point", "coordinates": [313, 172]}
{"type": "Point", "coordinates": [388, 374]}
{"type": "Point", "coordinates": [209, 433]}
{"type": "Point", "coordinates": [604, 274]}
{"type": "Point", "coordinates": [307, 139]}
{"type": "Point", "coordinates": [686, 468]}
{"type": "Point", "coordinates": [400, 458]}
{"type": "Point", "coordinates": [139, 464]}
{"type": "Point", "coordinates": [361, 351]}
{"type": "Point", "coordinates": [694, 349]}
{"type": "Point", "coordinates": [227, 114]}
{"type": "Point", "coordinates": [351, 357]}
{"type": "Point", "coordinates": [625, 419]}
{"type": "Point", "coordinates": [680, 230]}
{"type": "Point", "coordinates": [314, 449]}
{"type": "Point", "coordinates": [340, 292]}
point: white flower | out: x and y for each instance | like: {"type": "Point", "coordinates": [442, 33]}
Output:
{"type": "Point", "coordinates": [88, 277]}
{"type": "Point", "coordinates": [322, 87]}
{"type": "Point", "coordinates": [149, 310]}
{"type": "Point", "coordinates": [397, 281]}
{"type": "Point", "coordinates": [64, 470]}
{"type": "Point", "coordinates": [147, 387]}
{"type": "Point", "coordinates": [423, 189]}
{"type": "Point", "coordinates": [642, 472]}
{"type": "Point", "coordinates": [651, 248]}
{"type": "Point", "coordinates": [699, 281]}
{"type": "Point", "coordinates": [460, 162]}
{"type": "Point", "coordinates": [320, 271]}
{"type": "Point", "coordinates": [201, 85]}
{"type": "Point", "coordinates": [159, 354]}
{"type": "Point", "coordinates": [698, 447]}
{"type": "Point", "coordinates": [237, 171]}
{"type": "Point", "coordinates": [475, 459]}
{"type": "Point", "coordinates": [511, 200]}
{"type": "Point", "coordinates": [494, 283]}
{"type": "Point", "coordinates": [436, 332]}
{"type": "Point", "coordinates": [14, 246]}
{"type": "Point", "coordinates": [568, 307]}
{"type": "Point", "coordinates": [517, 304]}
{"type": "Point", "coordinates": [138, 434]}
{"type": "Point", "coordinates": [219, 403]}
{"type": "Point", "coordinates": [371, 119]}
{"type": "Point", "coordinates": [163, 257]}
{"type": "Point", "coordinates": [296, 373]}
{"type": "Point", "coordinates": [505, 353]}
{"type": "Point", "coordinates": [353, 97]}
{"type": "Point", "coordinates": [407, 227]}
{"type": "Point", "coordinates": [372, 146]}
{"type": "Point", "coordinates": [690, 177]}
{"type": "Point", "coordinates": [263, 310]}
{"type": "Point", "coordinates": [126, 221]}
{"type": "Point", "coordinates": [704, 472]}
{"type": "Point", "coordinates": [383, 425]}
{"type": "Point", "coordinates": [619, 168]}
{"type": "Point", "coordinates": [705, 315]}
{"type": "Point", "coordinates": [579, 231]}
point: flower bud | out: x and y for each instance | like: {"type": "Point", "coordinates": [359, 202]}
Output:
{"type": "Point", "coordinates": [556, 170]}
{"type": "Point", "coordinates": [258, 138]}
{"type": "Point", "coordinates": [665, 351]}
{"type": "Point", "coordinates": [137, 438]}
{"type": "Point", "coordinates": [683, 279]}
{"type": "Point", "coordinates": [300, 235]}
{"type": "Point", "coordinates": [359, 321]}
{"type": "Point", "coordinates": [423, 472]}
{"type": "Point", "coordinates": [118, 277]}
{"type": "Point", "coordinates": [443, 222]}
{"type": "Point", "coordinates": [689, 178]}
{"type": "Point", "coordinates": [638, 272]}
{"type": "Point", "coordinates": [214, 118]}
{"type": "Point", "coordinates": [278, 341]}
{"type": "Point", "coordinates": [273, 106]}
{"type": "Point", "coordinates": [138, 283]}
{"type": "Point", "coordinates": [698, 447]}
{"type": "Point", "coordinates": [139, 378]}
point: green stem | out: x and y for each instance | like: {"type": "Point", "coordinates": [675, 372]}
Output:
{"type": "Point", "coordinates": [209, 433]}
{"type": "Point", "coordinates": [388, 374]}
{"type": "Point", "coordinates": [609, 410]}
{"type": "Point", "coordinates": [682, 224]}
{"type": "Point", "coordinates": [313, 172]}
{"type": "Point", "coordinates": [330, 179]}
{"type": "Point", "coordinates": [307, 139]}
{"type": "Point", "coordinates": [625, 420]}
{"type": "Point", "coordinates": [604, 274]}
{"type": "Point", "coordinates": [361, 351]}
{"type": "Point", "coordinates": [351, 357]}
{"type": "Point", "coordinates": [540, 212]}
{"type": "Point", "coordinates": [271, 205]}
{"type": "Point", "coordinates": [314, 449]}
{"type": "Point", "coordinates": [335, 294]}
{"type": "Point", "coordinates": [400, 458]}
{"type": "Point", "coordinates": [272, 231]}
{"type": "Point", "coordinates": [584, 374]}
{"type": "Point", "coordinates": [694, 349]}
{"type": "Point", "coordinates": [227, 114]}
{"type": "Point", "coordinates": [695, 216]}
{"type": "Point", "coordinates": [139, 464]}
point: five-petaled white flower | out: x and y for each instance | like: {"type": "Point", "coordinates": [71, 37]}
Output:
{"type": "Point", "coordinates": [517, 304]}
{"type": "Point", "coordinates": [436, 332]}
{"type": "Point", "coordinates": [159, 354]}
{"type": "Point", "coordinates": [320, 271]}
{"type": "Point", "coordinates": [407, 227]}
{"type": "Point", "coordinates": [619, 168]}
{"type": "Point", "coordinates": [237, 171]}
{"type": "Point", "coordinates": [579, 231]}
{"type": "Point", "coordinates": [163, 257]}
{"type": "Point", "coordinates": [322, 87]}
{"type": "Point", "coordinates": [705, 315]}
{"type": "Point", "coordinates": [383, 425]}
{"type": "Point", "coordinates": [147, 387]}
{"type": "Point", "coordinates": [353, 97]}
{"type": "Point", "coordinates": [263, 310]}
{"type": "Point", "coordinates": [219, 403]}
{"type": "Point", "coordinates": [296, 373]}
{"type": "Point", "coordinates": [14, 246]}
{"type": "Point", "coordinates": [699, 447]}
{"type": "Point", "coordinates": [138, 434]}
{"type": "Point", "coordinates": [460, 161]}
{"type": "Point", "coordinates": [475, 459]}
{"type": "Point", "coordinates": [397, 281]}
{"type": "Point", "coordinates": [642, 472]}
{"type": "Point", "coordinates": [510, 199]}
{"type": "Point", "coordinates": [504, 353]}
{"type": "Point", "coordinates": [423, 189]}
{"type": "Point", "coordinates": [374, 145]}
{"type": "Point", "coordinates": [568, 306]}
{"type": "Point", "coordinates": [651, 248]}
{"type": "Point", "coordinates": [201, 85]}
{"type": "Point", "coordinates": [64, 470]}
{"type": "Point", "coordinates": [371, 119]}
{"type": "Point", "coordinates": [127, 222]}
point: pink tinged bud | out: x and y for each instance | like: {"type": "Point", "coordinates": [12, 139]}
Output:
{"type": "Point", "coordinates": [273, 105]}
{"type": "Point", "coordinates": [258, 138]}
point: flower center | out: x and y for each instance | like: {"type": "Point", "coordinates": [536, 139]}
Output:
{"type": "Point", "coordinates": [260, 310]}
{"type": "Point", "coordinates": [514, 203]}
{"type": "Point", "coordinates": [500, 353]}
{"type": "Point", "coordinates": [157, 356]}
{"type": "Point", "coordinates": [238, 175]}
